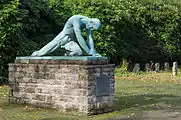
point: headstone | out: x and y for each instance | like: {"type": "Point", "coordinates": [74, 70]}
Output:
{"type": "Point", "coordinates": [136, 68]}
{"type": "Point", "coordinates": [175, 69]}
{"type": "Point", "coordinates": [166, 66]}
{"type": "Point", "coordinates": [130, 66]}
{"type": "Point", "coordinates": [152, 66]}
{"type": "Point", "coordinates": [147, 67]}
{"type": "Point", "coordinates": [157, 67]}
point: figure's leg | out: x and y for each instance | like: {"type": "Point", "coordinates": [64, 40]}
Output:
{"type": "Point", "coordinates": [63, 42]}
{"type": "Point", "coordinates": [74, 48]}
{"type": "Point", "coordinates": [60, 39]}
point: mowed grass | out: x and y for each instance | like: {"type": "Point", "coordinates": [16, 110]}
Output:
{"type": "Point", "coordinates": [134, 94]}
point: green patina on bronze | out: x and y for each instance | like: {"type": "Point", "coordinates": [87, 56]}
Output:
{"type": "Point", "coordinates": [70, 38]}
{"type": "Point", "coordinates": [62, 58]}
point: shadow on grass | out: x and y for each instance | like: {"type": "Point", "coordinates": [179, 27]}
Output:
{"type": "Point", "coordinates": [148, 102]}
{"type": "Point", "coordinates": [148, 106]}
{"type": "Point", "coordinates": [57, 118]}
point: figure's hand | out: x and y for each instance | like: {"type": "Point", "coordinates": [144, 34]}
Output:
{"type": "Point", "coordinates": [92, 51]}
{"type": "Point", "coordinates": [96, 55]}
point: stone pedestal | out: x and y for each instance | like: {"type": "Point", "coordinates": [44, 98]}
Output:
{"type": "Point", "coordinates": [69, 84]}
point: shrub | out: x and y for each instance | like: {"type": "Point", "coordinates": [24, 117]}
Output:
{"type": "Point", "coordinates": [136, 30]}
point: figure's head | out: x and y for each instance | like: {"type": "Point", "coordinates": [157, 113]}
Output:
{"type": "Point", "coordinates": [93, 24]}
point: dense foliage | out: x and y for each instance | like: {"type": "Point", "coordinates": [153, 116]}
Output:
{"type": "Point", "coordinates": [25, 26]}
{"type": "Point", "coordinates": [137, 30]}
{"type": "Point", "coordinates": [133, 29]}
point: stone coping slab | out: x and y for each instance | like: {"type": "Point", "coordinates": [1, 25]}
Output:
{"type": "Point", "coordinates": [62, 58]}
{"type": "Point", "coordinates": [79, 60]}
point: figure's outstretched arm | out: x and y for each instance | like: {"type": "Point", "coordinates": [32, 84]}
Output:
{"type": "Point", "coordinates": [80, 39]}
{"type": "Point", "coordinates": [91, 44]}
{"type": "Point", "coordinates": [90, 41]}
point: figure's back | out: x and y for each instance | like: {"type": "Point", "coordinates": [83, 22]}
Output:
{"type": "Point", "coordinates": [75, 17]}
{"type": "Point", "coordinates": [69, 28]}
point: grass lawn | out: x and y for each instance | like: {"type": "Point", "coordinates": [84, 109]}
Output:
{"type": "Point", "coordinates": [137, 97]}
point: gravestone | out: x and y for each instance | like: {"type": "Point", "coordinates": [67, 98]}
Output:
{"type": "Point", "coordinates": [136, 68]}
{"type": "Point", "coordinates": [82, 84]}
{"type": "Point", "coordinates": [130, 66]}
{"type": "Point", "coordinates": [152, 65]}
{"type": "Point", "coordinates": [175, 69]}
{"type": "Point", "coordinates": [147, 67]}
{"type": "Point", "coordinates": [166, 66]}
{"type": "Point", "coordinates": [157, 67]}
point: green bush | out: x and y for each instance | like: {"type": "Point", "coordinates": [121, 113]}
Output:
{"type": "Point", "coordinates": [26, 26]}
{"type": "Point", "coordinates": [9, 25]}
{"type": "Point", "coordinates": [136, 30]}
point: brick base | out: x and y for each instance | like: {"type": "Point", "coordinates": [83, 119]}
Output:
{"type": "Point", "coordinates": [85, 86]}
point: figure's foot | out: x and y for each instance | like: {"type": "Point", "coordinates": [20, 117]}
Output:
{"type": "Point", "coordinates": [94, 53]}
{"type": "Point", "coordinates": [35, 54]}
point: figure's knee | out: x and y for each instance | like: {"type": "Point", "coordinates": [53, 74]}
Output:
{"type": "Point", "coordinates": [76, 53]}
{"type": "Point", "coordinates": [79, 52]}
{"type": "Point", "coordinates": [74, 48]}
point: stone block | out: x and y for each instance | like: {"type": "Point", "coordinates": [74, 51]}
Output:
{"type": "Point", "coordinates": [81, 84]}
{"type": "Point", "coordinates": [31, 68]}
{"type": "Point", "coordinates": [17, 94]}
{"type": "Point", "coordinates": [39, 90]}
{"type": "Point", "coordinates": [33, 80]}
{"type": "Point", "coordinates": [67, 99]}
{"type": "Point", "coordinates": [61, 76]}
{"type": "Point", "coordinates": [81, 92]}
{"type": "Point", "coordinates": [30, 90]}
{"type": "Point", "coordinates": [22, 80]}
{"type": "Point", "coordinates": [69, 91]}
{"type": "Point", "coordinates": [70, 107]}
{"type": "Point", "coordinates": [83, 108]}
{"type": "Point", "coordinates": [11, 68]}
{"type": "Point", "coordinates": [83, 76]}
{"type": "Point", "coordinates": [57, 82]}
{"type": "Point", "coordinates": [58, 90]}
{"type": "Point", "coordinates": [91, 90]}
{"type": "Point", "coordinates": [92, 99]}
{"type": "Point", "coordinates": [49, 98]}
{"type": "Point", "coordinates": [41, 97]}
{"type": "Point", "coordinates": [108, 69]}
{"type": "Point", "coordinates": [82, 99]}
{"type": "Point", "coordinates": [60, 106]}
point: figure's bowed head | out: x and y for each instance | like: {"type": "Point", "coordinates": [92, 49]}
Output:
{"type": "Point", "coordinates": [93, 24]}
